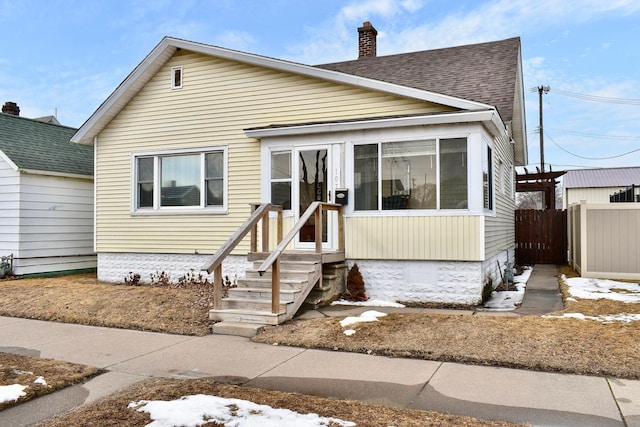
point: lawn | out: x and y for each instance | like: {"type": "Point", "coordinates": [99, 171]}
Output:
{"type": "Point", "coordinates": [555, 344]}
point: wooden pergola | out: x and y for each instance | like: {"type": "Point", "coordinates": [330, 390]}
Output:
{"type": "Point", "coordinates": [540, 181]}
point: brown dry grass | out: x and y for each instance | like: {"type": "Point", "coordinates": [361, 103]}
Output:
{"type": "Point", "coordinates": [113, 411]}
{"type": "Point", "coordinates": [24, 370]}
{"type": "Point", "coordinates": [532, 342]}
{"type": "Point", "coordinates": [80, 298]}
{"type": "Point", "coordinates": [548, 344]}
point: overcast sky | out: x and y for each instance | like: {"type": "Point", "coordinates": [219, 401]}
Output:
{"type": "Point", "coordinates": [68, 56]}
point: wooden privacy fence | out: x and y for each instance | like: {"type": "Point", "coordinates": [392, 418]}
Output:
{"type": "Point", "coordinates": [541, 236]}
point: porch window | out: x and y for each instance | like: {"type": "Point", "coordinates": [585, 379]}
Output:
{"type": "Point", "coordinates": [453, 173]}
{"type": "Point", "coordinates": [281, 179]}
{"type": "Point", "coordinates": [177, 181]}
{"type": "Point", "coordinates": [404, 175]}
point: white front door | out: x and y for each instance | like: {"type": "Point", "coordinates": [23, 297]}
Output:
{"type": "Point", "coordinates": [313, 181]}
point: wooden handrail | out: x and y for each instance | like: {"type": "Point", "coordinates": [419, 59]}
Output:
{"type": "Point", "coordinates": [273, 260]}
{"type": "Point", "coordinates": [260, 212]}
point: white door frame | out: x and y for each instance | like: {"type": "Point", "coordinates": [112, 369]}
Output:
{"type": "Point", "coordinates": [333, 164]}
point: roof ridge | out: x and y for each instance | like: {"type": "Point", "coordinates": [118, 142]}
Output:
{"type": "Point", "coordinates": [35, 120]}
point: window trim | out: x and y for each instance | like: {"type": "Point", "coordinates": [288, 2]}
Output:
{"type": "Point", "coordinates": [174, 70]}
{"type": "Point", "coordinates": [173, 210]}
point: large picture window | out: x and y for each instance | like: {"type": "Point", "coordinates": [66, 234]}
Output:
{"type": "Point", "coordinates": [180, 180]}
{"type": "Point", "coordinates": [404, 175]}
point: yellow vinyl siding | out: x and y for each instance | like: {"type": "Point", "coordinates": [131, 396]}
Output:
{"type": "Point", "coordinates": [219, 99]}
{"type": "Point", "coordinates": [414, 237]}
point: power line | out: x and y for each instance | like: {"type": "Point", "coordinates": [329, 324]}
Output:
{"type": "Point", "coordinates": [591, 158]}
{"type": "Point", "coordinates": [595, 98]}
{"type": "Point", "coordinates": [594, 135]}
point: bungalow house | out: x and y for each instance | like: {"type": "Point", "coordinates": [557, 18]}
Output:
{"type": "Point", "coordinates": [597, 185]}
{"type": "Point", "coordinates": [46, 196]}
{"type": "Point", "coordinates": [419, 148]}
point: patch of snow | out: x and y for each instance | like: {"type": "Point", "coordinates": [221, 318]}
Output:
{"type": "Point", "coordinates": [571, 299]}
{"type": "Point", "coordinates": [199, 409]}
{"type": "Point", "coordinates": [349, 332]}
{"type": "Point", "coordinates": [610, 318]}
{"type": "Point", "coordinates": [369, 303]}
{"type": "Point", "coordinates": [40, 380]}
{"type": "Point", "coordinates": [367, 316]}
{"type": "Point", "coordinates": [506, 300]}
{"type": "Point", "coordinates": [586, 288]}
{"type": "Point", "coordinates": [524, 277]}
{"type": "Point", "coordinates": [11, 392]}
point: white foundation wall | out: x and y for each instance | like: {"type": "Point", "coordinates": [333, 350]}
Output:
{"type": "Point", "coordinates": [423, 281]}
{"type": "Point", "coordinates": [115, 267]}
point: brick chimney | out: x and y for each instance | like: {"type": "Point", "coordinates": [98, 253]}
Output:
{"type": "Point", "coordinates": [367, 41]}
{"type": "Point", "coordinates": [11, 108]}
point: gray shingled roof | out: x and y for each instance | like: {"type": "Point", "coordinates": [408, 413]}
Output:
{"type": "Point", "coordinates": [485, 72]}
{"type": "Point", "coordinates": [595, 178]}
{"type": "Point", "coordinates": [40, 146]}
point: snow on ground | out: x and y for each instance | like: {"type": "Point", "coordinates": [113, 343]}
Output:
{"type": "Point", "coordinates": [367, 316]}
{"type": "Point", "coordinates": [509, 300]}
{"type": "Point", "coordinates": [585, 288]}
{"type": "Point", "coordinates": [201, 409]}
{"type": "Point", "coordinates": [11, 392]}
{"type": "Point", "coordinates": [610, 318]}
{"type": "Point", "coordinates": [369, 303]}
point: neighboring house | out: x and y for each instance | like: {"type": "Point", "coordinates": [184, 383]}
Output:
{"type": "Point", "coordinates": [425, 144]}
{"type": "Point", "coordinates": [597, 185]}
{"type": "Point", "coordinates": [46, 196]}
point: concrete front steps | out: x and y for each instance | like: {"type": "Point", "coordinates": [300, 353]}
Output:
{"type": "Point", "coordinates": [248, 306]}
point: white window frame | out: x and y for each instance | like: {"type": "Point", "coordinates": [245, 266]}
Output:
{"type": "Point", "coordinates": [173, 77]}
{"type": "Point", "coordinates": [395, 212]}
{"type": "Point", "coordinates": [159, 210]}
{"type": "Point", "coordinates": [271, 180]}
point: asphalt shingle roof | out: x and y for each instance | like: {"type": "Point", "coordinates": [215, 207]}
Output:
{"type": "Point", "coordinates": [484, 72]}
{"type": "Point", "coordinates": [605, 177]}
{"type": "Point", "coordinates": [36, 145]}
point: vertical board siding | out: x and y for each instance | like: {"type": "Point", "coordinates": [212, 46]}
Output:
{"type": "Point", "coordinates": [541, 236]}
{"type": "Point", "coordinates": [613, 240]}
{"type": "Point", "coordinates": [414, 238]}
{"type": "Point", "coordinates": [218, 100]}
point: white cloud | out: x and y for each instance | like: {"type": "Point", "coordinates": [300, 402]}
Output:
{"type": "Point", "coordinates": [238, 40]}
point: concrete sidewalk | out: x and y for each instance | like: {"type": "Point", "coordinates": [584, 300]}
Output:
{"type": "Point", "coordinates": [541, 399]}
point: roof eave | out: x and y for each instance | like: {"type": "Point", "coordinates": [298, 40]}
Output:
{"type": "Point", "coordinates": [169, 45]}
{"type": "Point", "coordinates": [58, 174]}
{"type": "Point", "coordinates": [490, 118]}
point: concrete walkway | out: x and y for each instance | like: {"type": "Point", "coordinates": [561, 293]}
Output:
{"type": "Point", "coordinates": [544, 399]}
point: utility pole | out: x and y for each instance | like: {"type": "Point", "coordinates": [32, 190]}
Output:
{"type": "Point", "coordinates": [542, 89]}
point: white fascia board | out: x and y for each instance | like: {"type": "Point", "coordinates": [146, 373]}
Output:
{"type": "Point", "coordinates": [124, 92]}
{"type": "Point", "coordinates": [489, 117]}
{"type": "Point", "coordinates": [335, 76]}
{"type": "Point", "coordinates": [58, 174]}
{"type": "Point", "coordinates": [167, 47]}
{"type": "Point", "coordinates": [8, 161]}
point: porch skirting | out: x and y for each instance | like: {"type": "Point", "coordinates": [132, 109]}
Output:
{"type": "Point", "coordinates": [453, 282]}
{"type": "Point", "coordinates": [422, 281]}
{"type": "Point", "coordinates": [115, 267]}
